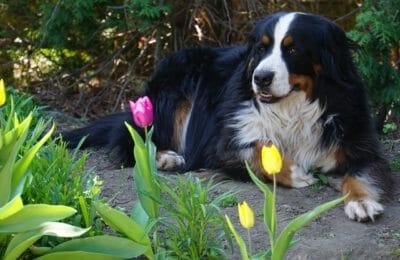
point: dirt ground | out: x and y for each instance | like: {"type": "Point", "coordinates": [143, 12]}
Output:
{"type": "Point", "coordinates": [332, 236]}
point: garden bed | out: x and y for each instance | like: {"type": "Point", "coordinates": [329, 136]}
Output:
{"type": "Point", "coordinates": [332, 236]}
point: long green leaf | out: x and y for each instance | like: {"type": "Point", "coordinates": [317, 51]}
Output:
{"type": "Point", "coordinates": [239, 239]}
{"type": "Point", "coordinates": [105, 245]}
{"type": "Point", "coordinates": [152, 152]}
{"type": "Point", "coordinates": [31, 216]}
{"type": "Point", "coordinates": [270, 219]}
{"type": "Point", "coordinates": [11, 207]}
{"type": "Point", "coordinates": [9, 121]}
{"type": "Point", "coordinates": [122, 223]}
{"type": "Point", "coordinates": [139, 215]}
{"type": "Point", "coordinates": [23, 241]}
{"type": "Point", "coordinates": [21, 166]}
{"type": "Point", "coordinates": [284, 239]}
{"type": "Point", "coordinates": [144, 174]}
{"type": "Point", "coordinates": [13, 140]}
{"type": "Point", "coordinates": [78, 255]}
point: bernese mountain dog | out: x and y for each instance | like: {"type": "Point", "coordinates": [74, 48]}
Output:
{"type": "Point", "coordinates": [293, 84]}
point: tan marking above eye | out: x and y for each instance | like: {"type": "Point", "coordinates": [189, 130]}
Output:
{"type": "Point", "coordinates": [317, 68]}
{"type": "Point", "coordinates": [265, 40]}
{"type": "Point", "coordinates": [288, 40]}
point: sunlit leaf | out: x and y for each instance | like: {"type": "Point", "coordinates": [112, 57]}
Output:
{"type": "Point", "coordinates": [104, 245]}
{"type": "Point", "coordinates": [23, 241]}
{"type": "Point", "coordinates": [31, 216]}
{"type": "Point", "coordinates": [11, 207]}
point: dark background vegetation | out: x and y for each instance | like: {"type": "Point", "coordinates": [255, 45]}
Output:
{"type": "Point", "coordinates": [88, 57]}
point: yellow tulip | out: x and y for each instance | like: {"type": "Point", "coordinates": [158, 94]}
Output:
{"type": "Point", "coordinates": [246, 215]}
{"type": "Point", "coordinates": [271, 159]}
{"type": "Point", "coordinates": [2, 93]}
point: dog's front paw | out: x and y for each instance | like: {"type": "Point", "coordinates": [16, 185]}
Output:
{"type": "Point", "coordinates": [300, 178]}
{"type": "Point", "coordinates": [363, 209]}
{"type": "Point", "coordinates": [169, 161]}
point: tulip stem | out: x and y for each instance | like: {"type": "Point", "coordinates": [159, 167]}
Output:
{"type": "Point", "coordinates": [272, 239]}
{"type": "Point", "coordinates": [248, 234]}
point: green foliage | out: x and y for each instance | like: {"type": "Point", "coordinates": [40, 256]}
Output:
{"type": "Point", "coordinates": [23, 104]}
{"type": "Point", "coordinates": [56, 176]}
{"type": "Point", "coordinates": [59, 177]}
{"type": "Point", "coordinates": [83, 22]}
{"type": "Point", "coordinates": [228, 201]}
{"type": "Point", "coordinates": [377, 32]}
{"type": "Point", "coordinates": [14, 165]}
{"type": "Point", "coordinates": [21, 226]}
{"type": "Point", "coordinates": [193, 224]}
{"type": "Point", "coordinates": [395, 164]}
{"type": "Point", "coordinates": [389, 127]}
{"type": "Point", "coordinates": [147, 11]}
{"type": "Point", "coordinates": [145, 172]}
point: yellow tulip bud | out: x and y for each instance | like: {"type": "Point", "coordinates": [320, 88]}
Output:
{"type": "Point", "coordinates": [246, 215]}
{"type": "Point", "coordinates": [2, 93]}
{"type": "Point", "coordinates": [271, 159]}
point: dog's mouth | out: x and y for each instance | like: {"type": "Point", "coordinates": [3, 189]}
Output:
{"type": "Point", "coordinates": [267, 97]}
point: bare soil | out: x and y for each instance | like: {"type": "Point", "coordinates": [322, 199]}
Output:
{"type": "Point", "coordinates": [332, 236]}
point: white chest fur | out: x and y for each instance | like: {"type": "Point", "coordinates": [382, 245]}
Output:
{"type": "Point", "coordinates": [292, 124]}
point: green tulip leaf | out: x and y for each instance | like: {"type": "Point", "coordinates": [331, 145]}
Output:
{"type": "Point", "coordinates": [78, 255]}
{"type": "Point", "coordinates": [238, 238]}
{"type": "Point", "coordinates": [284, 240]}
{"type": "Point", "coordinates": [270, 219]}
{"type": "Point", "coordinates": [11, 207]}
{"type": "Point", "coordinates": [122, 223]}
{"type": "Point", "coordinates": [13, 140]}
{"type": "Point", "coordinates": [23, 241]}
{"type": "Point", "coordinates": [144, 173]}
{"type": "Point", "coordinates": [21, 166]}
{"type": "Point", "coordinates": [32, 216]}
{"type": "Point", "coordinates": [106, 246]}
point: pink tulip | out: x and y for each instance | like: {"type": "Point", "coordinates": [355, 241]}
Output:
{"type": "Point", "coordinates": [142, 111]}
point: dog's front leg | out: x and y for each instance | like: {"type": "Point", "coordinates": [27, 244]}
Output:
{"type": "Point", "coordinates": [291, 174]}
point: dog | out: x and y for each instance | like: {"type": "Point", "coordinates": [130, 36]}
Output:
{"type": "Point", "coordinates": [293, 84]}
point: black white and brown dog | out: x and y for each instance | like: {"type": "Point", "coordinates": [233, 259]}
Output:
{"type": "Point", "coordinates": [293, 84]}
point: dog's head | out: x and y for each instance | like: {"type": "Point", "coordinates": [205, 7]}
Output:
{"type": "Point", "coordinates": [290, 50]}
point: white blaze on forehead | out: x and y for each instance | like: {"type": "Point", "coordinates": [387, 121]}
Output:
{"type": "Point", "coordinates": [274, 61]}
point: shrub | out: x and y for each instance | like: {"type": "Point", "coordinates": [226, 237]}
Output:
{"type": "Point", "coordinates": [377, 33]}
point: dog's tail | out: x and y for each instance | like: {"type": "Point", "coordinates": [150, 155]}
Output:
{"type": "Point", "coordinates": [108, 132]}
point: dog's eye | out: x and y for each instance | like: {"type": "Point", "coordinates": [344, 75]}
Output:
{"type": "Point", "coordinates": [261, 48]}
{"type": "Point", "coordinates": [291, 50]}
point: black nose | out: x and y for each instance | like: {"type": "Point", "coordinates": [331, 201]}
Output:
{"type": "Point", "coordinates": [263, 78]}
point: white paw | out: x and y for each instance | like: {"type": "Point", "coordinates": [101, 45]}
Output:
{"type": "Point", "coordinates": [363, 209]}
{"type": "Point", "coordinates": [169, 160]}
{"type": "Point", "coordinates": [300, 178]}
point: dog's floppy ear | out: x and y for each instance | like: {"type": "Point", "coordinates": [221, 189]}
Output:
{"type": "Point", "coordinates": [334, 54]}
{"type": "Point", "coordinates": [263, 25]}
